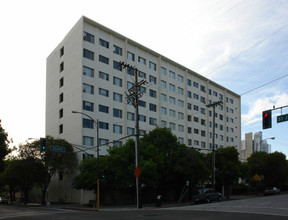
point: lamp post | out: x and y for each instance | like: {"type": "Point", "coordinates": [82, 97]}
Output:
{"type": "Point", "coordinates": [97, 134]}
{"type": "Point", "coordinates": [213, 105]}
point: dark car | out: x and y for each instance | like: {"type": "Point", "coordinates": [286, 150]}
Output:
{"type": "Point", "coordinates": [3, 200]}
{"type": "Point", "coordinates": [271, 191]}
{"type": "Point", "coordinates": [206, 195]}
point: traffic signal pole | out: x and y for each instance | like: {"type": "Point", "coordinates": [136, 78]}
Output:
{"type": "Point", "coordinates": [267, 117]}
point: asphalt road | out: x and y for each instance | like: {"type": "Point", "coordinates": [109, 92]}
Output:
{"type": "Point", "coordinates": [262, 208]}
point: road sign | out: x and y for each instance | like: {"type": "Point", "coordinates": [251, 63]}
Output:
{"type": "Point", "coordinates": [58, 148]}
{"type": "Point", "coordinates": [256, 177]}
{"type": "Point", "coordinates": [282, 118]}
{"type": "Point", "coordinates": [137, 172]}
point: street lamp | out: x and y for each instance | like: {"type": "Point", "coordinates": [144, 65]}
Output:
{"type": "Point", "coordinates": [97, 134]}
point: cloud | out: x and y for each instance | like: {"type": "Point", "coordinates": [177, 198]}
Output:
{"type": "Point", "coordinates": [254, 113]}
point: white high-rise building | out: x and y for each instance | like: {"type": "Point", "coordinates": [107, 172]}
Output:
{"type": "Point", "coordinates": [83, 75]}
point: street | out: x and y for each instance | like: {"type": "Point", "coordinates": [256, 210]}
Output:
{"type": "Point", "coordinates": [264, 208]}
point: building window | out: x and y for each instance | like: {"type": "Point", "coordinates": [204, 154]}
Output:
{"type": "Point", "coordinates": [203, 112]}
{"type": "Point", "coordinates": [189, 106]}
{"type": "Point", "coordinates": [103, 108]}
{"type": "Point", "coordinates": [103, 92]}
{"type": "Point", "coordinates": [117, 97]}
{"type": "Point", "coordinates": [61, 97]}
{"type": "Point", "coordinates": [130, 71]}
{"type": "Point", "coordinates": [104, 76]}
{"type": "Point", "coordinates": [88, 141]}
{"type": "Point", "coordinates": [203, 122]}
{"type": "Point", "coordinates": [88, 71]}
{"type": "Point", "coordinates": [163, 84]}
{"type": "Point", "coordinates": [163, 71]}
{"type": "Point", "coordinates": [163, 97]}
{"type": "Point", "coordinates": [142, 118]}
{"type": "Point", "coordinates": [163, 124]}
{"type": "Point", "coordinates": [180, 115]}
{"type": "Point", "coordinates": [89, 106]}
{"type": "Point", "coordinates": [117, 129]}
{"type": "Point", "coordinates": [172, 100]}
{"type": "Point", "coordinates": [104, 43]}
{"type": "Point", "coordinates": [196, 131]}
{"type": "Point", "coordinates": [117, 50]}
{"type": "Point", "coordinates": [171, 87]}
{"type": "Point", "coordinates": [117, 81]}
{"type": "Point", "coordinates": [188, 82]}
{"type": "Point", "coordinates": [152, 107]}
{"type": "Point", "coordinates": [195, 84]}
{"type": "Point", "coordinates": [130, 56]}
{"type": "Point", "coordinates": [142, 103]}
{"type": "Point", "coordinates": [171, 74]}
{"type": "Point", "coordinates": [163, 111]}
{"type": "Point", "coordinates": [88, 54]}
{"type": "Point", "coordinates": [88, 37]}
{"type": "Point", "coordinates": [88, 123]}
{"type": "Point", "coordinates": [103, 59]}
{"type": "Point", "coordinates": [180, 103]}
{"type": "Point", "coordinates": [180, 91]}
{"type": "Point", "coordinates": [117, 66]}
{"type": "Point", "coordinates": [61, 68]}
{"type": "Point", "coordinates": [152, 65]}
{"type": "Point", "coordinates": [130, 131]}
{"type": "Point", "coordinates": [61, 113]}
{"type": "Point", "coordinates": [189, 94]}
{"type": "Point", "coordinates": [103, 125]}
{"type": "Point", "coordinates": [88, 89]}
{"type": "Point", "coordinates": [172, 113]}
{"type": "Point", "coordinates": [130, 116]}
{"type": "Point", "coordinates": [153, 121]}
{"type": "Point", "coordinates": [152, 79]}
{"type": "Point", "coordinates": [203, 134]}
{"type": "Point", "coordinates": [180, 128]}
{"type": "Point", "coordinates": [189, 130]}
{"type": "Point", "coordinates": [61, 82]}
{"type": "Point", "coordinates": [152, 93]}
{"type": "Point", "coordinates": [202, 88]}
{"type": "Point", "coordinates": [117, 113]}
{"type": "Point", "coordinates": [61, 129]}
{"type": "Point", "coordinates": [180, 78]}
{"type": "Point", "coordinates": [195, 96]}
{"type": "Point", "coordinates": [142, 60]}
{"type": "Point", "coordinates": [142, 75]}
{"type": "Point", "coordinates": [61, 51]}
{"type": "Point", "coordinates": [172, 126]}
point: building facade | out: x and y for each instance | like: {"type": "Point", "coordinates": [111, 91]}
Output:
{"type": "Point", "coordinates": [83, 75]}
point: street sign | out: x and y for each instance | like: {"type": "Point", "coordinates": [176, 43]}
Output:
{"type": "Point", "coordinates": [282, 118]}
{"type": "Point", "coordinates": [137, 172]}
{"type": "Point", "coordinates": [58, 148]}
{"type": "Point", "coordinates": [256, 177]}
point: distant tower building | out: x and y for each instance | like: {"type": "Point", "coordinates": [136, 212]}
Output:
{"type": "Point", "coordinates": [246, 147]}
{"type": "Point", "coordinates": [257, 141]}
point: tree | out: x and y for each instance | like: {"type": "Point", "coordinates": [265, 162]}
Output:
{"type": "Point", "coordinates": [53, 162]}
{"type": "Point", "coordinates": [165, 165]}
{"type": "Point", "coordinates": [227, 167]}
{"type": "Point", "coordinates": [272, 168]}
{"type": "Point", "coordinates": [4, 144]}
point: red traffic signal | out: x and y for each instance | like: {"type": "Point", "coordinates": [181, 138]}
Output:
{"type": "Point", "coordinates": [266, 119]}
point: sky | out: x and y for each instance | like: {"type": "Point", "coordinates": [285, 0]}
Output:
{"type": "Point", "coordinates": [240, 44]}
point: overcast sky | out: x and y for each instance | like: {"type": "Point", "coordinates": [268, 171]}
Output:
{"type": "Point", "coordinates": [240, 44]}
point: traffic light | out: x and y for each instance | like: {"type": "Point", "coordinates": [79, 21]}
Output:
{"type": "Point", "coordinates": [42, 144]}
{"type": "Point", "coordinates": [266, 119]}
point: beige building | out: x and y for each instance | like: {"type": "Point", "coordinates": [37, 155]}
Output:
{"type": "Point", "coordinates": [83, 75]}
{"type": "Point", "coordinates": [247, 147]}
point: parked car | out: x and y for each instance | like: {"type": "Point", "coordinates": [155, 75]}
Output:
{"type": "Point", "coordinates": [271, 191]}
{"type": "Point", "coordinates": [206, 195]}
{"type": "Point", "coordinates": [3, 200]}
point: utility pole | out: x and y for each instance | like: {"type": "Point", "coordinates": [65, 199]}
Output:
{"type": "Point", "coordinates": [133, 96]}
{"type": "Point", "coordinates": [213, 105]}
